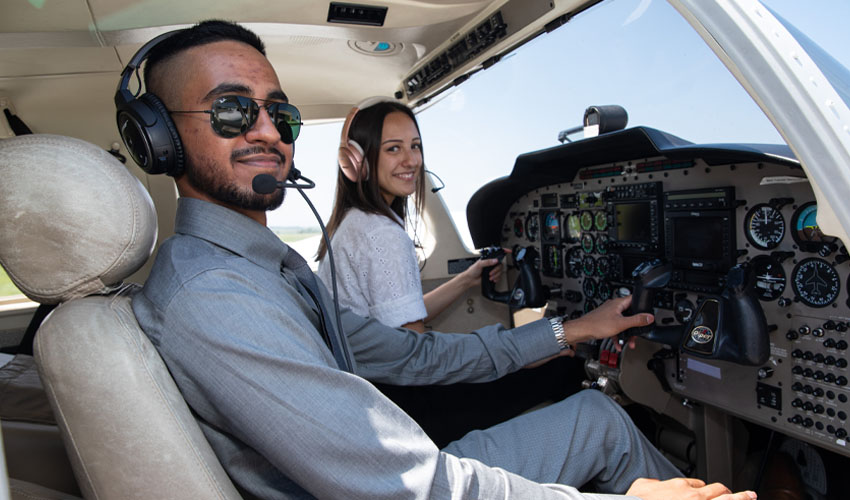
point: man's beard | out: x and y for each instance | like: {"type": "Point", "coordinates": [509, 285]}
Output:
{"type": "Point", "coordinates": [204, 178]}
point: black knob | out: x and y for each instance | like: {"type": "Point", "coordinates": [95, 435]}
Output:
{"type": "Point", "coordinates": [841, 326]}
{"type": "Point", "coordinates": [818, 392]}
{"type": "Point", "coordinates": [829, 343]}
{"type": "Point", "coordinates": [829, 360]}
{"type": "Point", "coordinates": [842, 415]}
{"type": "Point", "coordinates": [808, 355]}
{"type": "Point", "coordinates": [808, 422]}
{"type": "Point", "coordinates": [841, 345]}
{"type": "Point", "coordinates": [792, 335]}
{"type": "Point", "coordinates": [818, 358]}
{"type": "Point", "coordinates": [796, 386]}
{"type": "Point", "coordinates": [841, 363]}
{"type": "Point", "coordinates": [804, 330]}
{"type": "Point", "coordinates": [840, 433]}
{"type": "Point", "coordinates": [808, 372]}
{"type": "Point", "coordinates": [765, 372]}
{"type": "Point", "coordinates": [818, 375]}
{"type": "Point", "coordinates": [797, 370]}
{"type": "Point", "coordinates": [808, 406]}
{"type": "Point", "coordinates": [797, 353]}
{"type": "Point", "coordinates": [807, 389]}
{"type": "Point", "coordinates": [829, 325]}
{"type": "Point", "coordinates": [841, 380]}
{"type": "Point", "coordinates": [817, 332]}
{"type": "Point", "coordinates": [826, 249]}
{"type": "Point", "coordinates": [796, 419]}
{"type": "Point", "coordinates": [818, 409]}
{"type": "Point", "coordinates": [783, 302]}
{"type": "Point", "coordinates": [829, 378]}
{"type": "Point", "coordinates": [797, 403]}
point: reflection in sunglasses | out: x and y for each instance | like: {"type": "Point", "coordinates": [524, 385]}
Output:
{"type": "Point", "coordinates": [233, 115]}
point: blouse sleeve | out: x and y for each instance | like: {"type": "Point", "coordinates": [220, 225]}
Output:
{"type": "Point", "coordinates": [389, 273]}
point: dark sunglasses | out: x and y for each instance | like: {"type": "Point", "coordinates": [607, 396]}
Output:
{"type": "Point", "coordinates": [233, 115]}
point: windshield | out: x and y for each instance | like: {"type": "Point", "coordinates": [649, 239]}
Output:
{"type": "Point", "coordinates": [640, 54]}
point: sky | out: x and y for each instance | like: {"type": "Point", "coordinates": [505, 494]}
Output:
{"type": "Point", "coordinates": [640, 54]}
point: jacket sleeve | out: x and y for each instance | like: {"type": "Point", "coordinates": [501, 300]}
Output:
{"type": "Point", "coordinates": [255, 367]}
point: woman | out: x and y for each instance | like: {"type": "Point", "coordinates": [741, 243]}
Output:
{"type": "Point", "coordinates": [381, 166]}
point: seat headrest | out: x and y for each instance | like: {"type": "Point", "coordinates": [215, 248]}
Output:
{"type": "Point", "coordinates": [73, 220]}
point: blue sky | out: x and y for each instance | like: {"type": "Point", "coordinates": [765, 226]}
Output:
{"type": "Point", "coordinates": [640, 54]}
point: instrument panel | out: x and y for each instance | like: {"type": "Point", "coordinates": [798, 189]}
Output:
{"type": "Point", "coordinates": [592, 230]}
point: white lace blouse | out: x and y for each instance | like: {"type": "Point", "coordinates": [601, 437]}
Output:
{"type": "Point", "coordinates": [376, 269]}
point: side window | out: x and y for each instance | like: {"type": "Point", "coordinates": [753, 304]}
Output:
{"type": "Point", "coordinates": [7, 288]}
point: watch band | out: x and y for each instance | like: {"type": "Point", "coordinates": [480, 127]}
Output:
{"type": "Point", "coordinates": [557, 323]}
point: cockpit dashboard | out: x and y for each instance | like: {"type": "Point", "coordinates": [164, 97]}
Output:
{"type": "Point", "coordinates": [595, 210]}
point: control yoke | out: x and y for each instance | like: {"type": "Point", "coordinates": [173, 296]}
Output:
{"type": "Point", "coordinates": [528, 290]}
{"type": "Point", "coordinates": [730, 326]}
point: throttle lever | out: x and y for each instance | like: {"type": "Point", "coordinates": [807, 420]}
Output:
{"type": "Point", "coordinates": [649, 276]}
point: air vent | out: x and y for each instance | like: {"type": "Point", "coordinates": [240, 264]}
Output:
{"type": "Point", "coordinates": [350, 13]}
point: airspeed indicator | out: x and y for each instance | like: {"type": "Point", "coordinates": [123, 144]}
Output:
{"type": "Point", "coordinates": [764, 226]}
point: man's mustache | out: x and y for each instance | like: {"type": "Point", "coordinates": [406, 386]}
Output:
{"type": "Point", "coordinates": [239, 153]}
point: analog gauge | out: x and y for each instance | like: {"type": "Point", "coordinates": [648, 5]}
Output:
{"type": "Point", "coordinates": [816, 282]}
{"type": "Point", "coordinates": [574, 257]}
{"type": "Point", "coordinates": [805, 229]}
{"type": "Point", "coordinates": [552, 226]}
{"type": "Point", "coordinates": [603, 291]}
{"type": "Point", "coordinates": [587, 242]}
{"type": "Point", "coordinates": [552, 262]}
{"type": "Point", "coordinates": [588, 265]}
{"type": "Point", "coordinates": [519, 228]}
{"type": "Point", "coordinates": [602, 266]}
{"type": "Point", "coordinates": [532, 226]}
{"type": "Point", "coordinates": [586, 220]}
{"type": "Point", "coordinates": [589, 305]}
{"type": "Point", "coordinates": [589, 288]}
{"type": "Point", "coordinates": [684, 311]}
{"type": "Point", "coordinates": [602, 243]}
{"type": "Point", "coordinates": [764, 226]}
{"type": "Point", "coordinates": [770, 277]}
{"type": "Point", "coordinates": [601, 221]}
{"type": "Point", "coordinates": [514, 252]}
{"type": "Point", "coordinates": [573, 227]}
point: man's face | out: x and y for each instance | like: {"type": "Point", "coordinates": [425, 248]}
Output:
{"type": "Point", "coordinates": [219, 169]}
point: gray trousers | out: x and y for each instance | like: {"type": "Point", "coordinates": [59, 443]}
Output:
{"type": "Point", "coordinates": [586, 438]}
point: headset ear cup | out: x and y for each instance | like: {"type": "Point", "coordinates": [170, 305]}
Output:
{"type": "Point", "coordinates": [164, 133]}
{"type": "Point", "coordinates": [362, 165]}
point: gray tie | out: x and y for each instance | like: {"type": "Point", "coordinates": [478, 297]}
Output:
{"type": "Point", "coordinates": [298, 265]}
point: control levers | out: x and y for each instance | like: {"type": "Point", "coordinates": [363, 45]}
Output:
{"type": "Point", "coordinates": [728, 326]}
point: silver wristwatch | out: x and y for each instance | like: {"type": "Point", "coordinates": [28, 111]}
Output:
{"type": "Point", "coordinates": [557, 323]}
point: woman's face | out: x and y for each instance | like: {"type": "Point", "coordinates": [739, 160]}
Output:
{"type": "Point", "coordinates": [400, 157]}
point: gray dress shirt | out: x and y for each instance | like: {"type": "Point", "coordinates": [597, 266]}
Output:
{"type": "Point", "coordinates": [242, 342]}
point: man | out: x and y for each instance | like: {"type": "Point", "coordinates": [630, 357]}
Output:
{"type": "Point", "coordinates": [268, 376]}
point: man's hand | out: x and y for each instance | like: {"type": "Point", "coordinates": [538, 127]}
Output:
{"type": "Point", "coordinates": [605, 321]}
{"type": "Point", "coordinates": [682, 488]}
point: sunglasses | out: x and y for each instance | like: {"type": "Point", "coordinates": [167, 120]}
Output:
{"type": "Point", "coordinates": [233, 115]}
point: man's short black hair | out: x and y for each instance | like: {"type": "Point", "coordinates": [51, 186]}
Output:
{"type": "Point", "coordinates": [205, 32]}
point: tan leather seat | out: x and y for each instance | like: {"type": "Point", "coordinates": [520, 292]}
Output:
{"type": "Point", "coordinates": [75, 224]}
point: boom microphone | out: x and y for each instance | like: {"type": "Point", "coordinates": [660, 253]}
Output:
{"type": "Point", "coordinates": [266, 184]}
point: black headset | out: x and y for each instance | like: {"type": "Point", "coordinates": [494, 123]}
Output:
{"type": "Point", "coordinates": [144, 122]}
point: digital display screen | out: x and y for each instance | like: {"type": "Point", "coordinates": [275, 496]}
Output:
{"type": "Point", "coordinates": [698, 238]}
{"type": "Point", "coordinates": [633, 222]}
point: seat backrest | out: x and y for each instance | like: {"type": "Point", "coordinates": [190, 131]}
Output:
{"type": "Point", "coordinates": [74, 222]}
